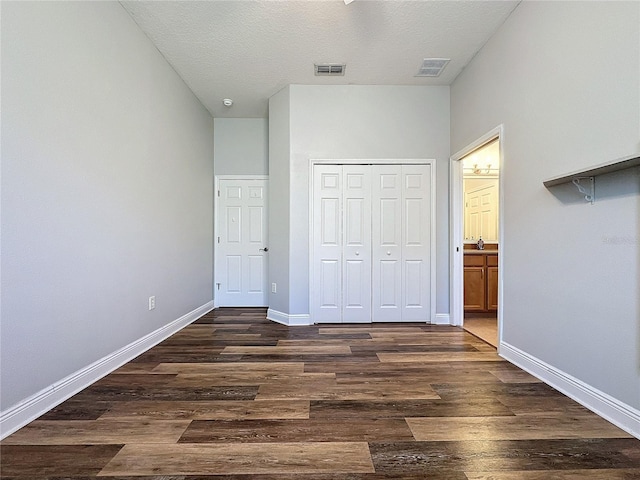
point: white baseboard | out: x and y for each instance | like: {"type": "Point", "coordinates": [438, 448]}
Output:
{"type": "Point", "coordinates": [303, 319]}
{"type": "Point", "coordinates": [609, 408]}
{"type": "Point", "coordinates": [442, 319]}
{"type": "Point", "coordinates": [287, 319]}
{"type": "Point", "coordinates": [36, 405]}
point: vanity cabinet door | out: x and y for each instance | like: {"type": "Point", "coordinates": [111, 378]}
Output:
{"type": "Point", "coordinates": [480, 282]}
{"type": "Point", "coordinates": [492, 288]}
{"type": "Point", "coordinates": [474, 289]}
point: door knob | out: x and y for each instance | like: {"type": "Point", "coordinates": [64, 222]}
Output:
{"type": "Point", "coordinates": [388, 252]}
{"type": "Point", "coordinates": [265, 249]}
{"type": "Point", "coordinates": [357, 253]}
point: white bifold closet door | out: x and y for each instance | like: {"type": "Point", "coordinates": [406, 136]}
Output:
{"type": "Point", "coordinates": [371, 244]}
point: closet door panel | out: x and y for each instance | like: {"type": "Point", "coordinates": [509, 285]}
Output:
{"type": "Point", "coordinates": [416, 248]}
{"type": "Point", "coordinates": [356, 246]}
{"type": "Point", "coordinates": [327, 244]}
{"type": "Point", "coordinates": [387, 243]}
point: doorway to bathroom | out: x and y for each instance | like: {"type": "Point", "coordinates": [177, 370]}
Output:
{"type": "Point", "coordinates": [476, 233]}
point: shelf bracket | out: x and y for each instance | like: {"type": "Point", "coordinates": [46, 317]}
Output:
{"type": "Point", "coordinates": [589, 191]}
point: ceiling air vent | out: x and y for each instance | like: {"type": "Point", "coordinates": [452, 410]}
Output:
{"type": "Point", "coordinates": [432, 67]}
{"type": "Point", "coordinates": [330, 69]}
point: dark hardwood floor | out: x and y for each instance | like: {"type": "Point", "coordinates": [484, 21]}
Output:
{"type": "Point", "coordinates": [234, 396]}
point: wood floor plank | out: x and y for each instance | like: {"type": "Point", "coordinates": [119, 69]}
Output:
{"type": "Point", "coordinates": [96, 432]}
{"type": "Point", "coordinates": [536, 404]}
{"type": "Point", "coordinates": [138, 379]}
{"type": "Point", "coordinates": [519, 376]}
{"type": "Point", "coordinates": [217, 343]}
{"type": "Point", "coordinates": [250, 378]}
{"type": "Point", "coordinates": [249, 458]}
{"type": "Point", "coordinates": [440, 357]}
{"type": "Point", "coordinates": [541, 426]}
{"type": "Point", "coordinates": [179, 353]}
{"type": "Point", "coordinates": [494, 390]}
{"type": "Point", "coordinates": [73, 409]}
{"type": "Point", "coordinates": [292, 368]}
{"type": "Point", "coordinates": [412, 349]}
{"type": "Point", "coordinates": [418, 340]}
{"type": "Point", "coordinates": [371, 329]}
{"type": "Point", "coordinates": [400, 333]}
{"type": "Point", "coordinates": [296, 350]}
{"type": "Point", "coordinates": [306, 358]}
{"type": "Point", "coordinates": [502, 455]}
{"type": "Point", "coordinates": [136, 368]}
{"type": "Point", "coordinates": [227, 326]}
{"type": "Point", "coordinates": [166, 392]}
{"type": "Point", "coordinates": [417, 377]}
{"type": "Point", "coordinates": [42, 461]}
{"type": "Point", "coordinates": [452, 372]}
{"type": "Point", "coordinates": [595, 474]}
{"type": "Point", "coordinates": [283, 431]}
{"type": "Point", "coordinates": [210, 410]}
{"type": "Point", "coordinates": [353, 391]}
{"type": "Point", "coordinates": [328, 409]}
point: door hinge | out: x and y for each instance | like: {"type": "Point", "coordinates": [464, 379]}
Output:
{"type": "Point", "coordinates": [218, 192]}
{"type": "Point", "coordinates": [218, 239]}
{"type": "Point", "coordinates": [218, 286]}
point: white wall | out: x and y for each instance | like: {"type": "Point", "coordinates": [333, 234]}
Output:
{"type": "Point", "coordinates": [107, 178]}
{"type": "Point", "coordinates": [241, 146]}
{"type": "Point", "coordinates": [279, 201]}
{"type": "Point", "coordinates": [363, 122]}
{"type": "Point", "coordinates": [563, 78]}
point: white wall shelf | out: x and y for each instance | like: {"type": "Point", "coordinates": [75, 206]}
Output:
{"type": "Point", "coordinates": [589, 174]}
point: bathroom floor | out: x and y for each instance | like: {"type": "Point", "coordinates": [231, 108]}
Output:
{"type": "Point", "coordinates": [483, 328]}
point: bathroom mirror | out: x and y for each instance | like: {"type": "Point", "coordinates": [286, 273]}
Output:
{"type": "Point", "coordinates": [481, 173]}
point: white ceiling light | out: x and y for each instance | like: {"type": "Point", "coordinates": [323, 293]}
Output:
{"type": "Point", "coordinates": [432, 67]}
{"type": "Point", "coordinates": [347, 2]}
{"type": "Point", "coordinates": [227, 102]}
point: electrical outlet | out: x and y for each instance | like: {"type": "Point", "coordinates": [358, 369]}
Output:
{"type": "Point", "coordinates": [152, 302]}
{"type": "Point", "coordinates": [273, 288]}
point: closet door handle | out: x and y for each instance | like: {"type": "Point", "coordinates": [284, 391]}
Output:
{"type": "Point", "coordinates": [388, 252]}
{"type": "Point", "coordinates": [357, 253]}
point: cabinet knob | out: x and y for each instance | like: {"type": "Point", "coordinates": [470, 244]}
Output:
{"type": "Point", "coordinates": [388, 252]}
{"type": "Point", "coordinates": [357, 253]}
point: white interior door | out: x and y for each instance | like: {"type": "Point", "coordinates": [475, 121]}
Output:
{"type": "Point", "coordinates": [241, 249]}
{"type": "Point", "coordinates": [489, 213]}
{"type": "Point", "coordinates": [481, 213]}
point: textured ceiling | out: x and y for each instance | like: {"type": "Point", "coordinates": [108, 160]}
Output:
{"type": "Point", "coordinates": [249, 50]}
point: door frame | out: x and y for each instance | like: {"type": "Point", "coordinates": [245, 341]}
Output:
{"type": "Point", "coordinates": [216, 227]}
{"type": "Point", "coordinates": [378, 161]}
{"type": "Point", "coordinates": [456, 226]}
